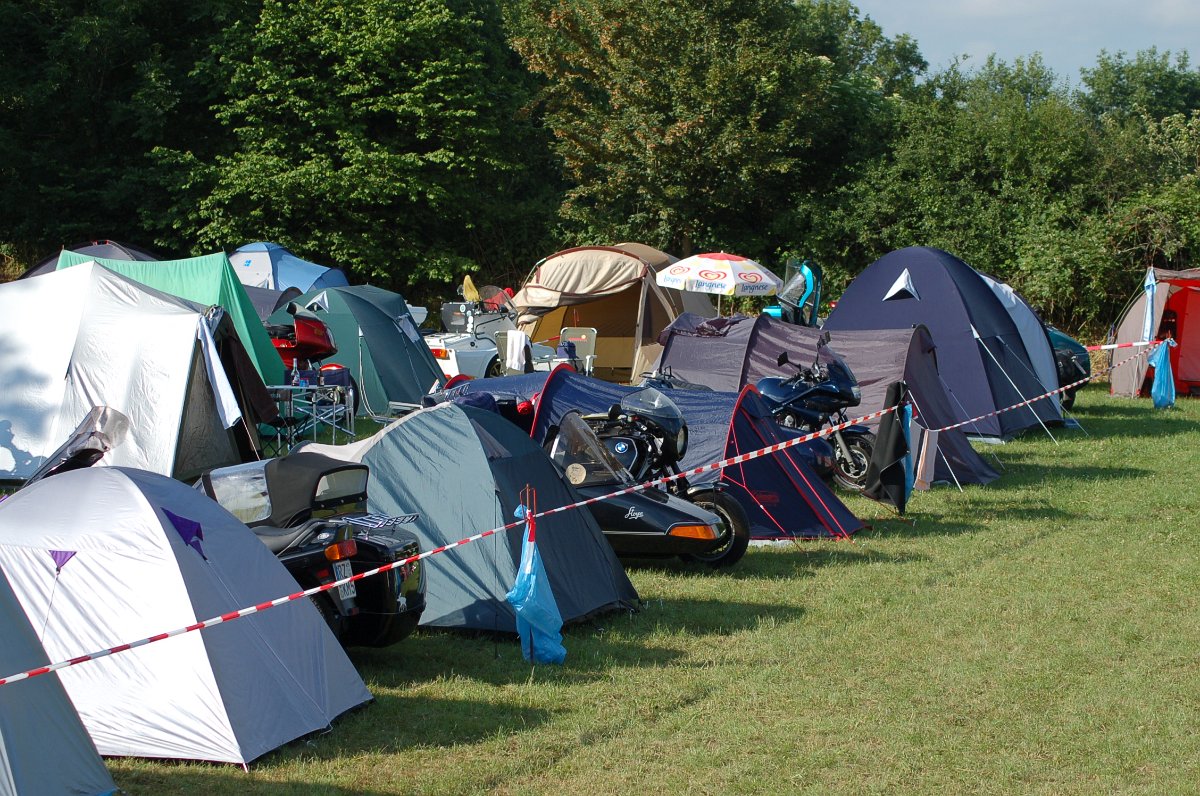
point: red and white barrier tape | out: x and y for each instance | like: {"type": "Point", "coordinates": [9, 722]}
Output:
{"type": "Point", "coordinates": [1112, 346]}
{"type": "Point", "coordinates": [1043, 396]}
{"type": "Point", "coordinates": [254, 609]}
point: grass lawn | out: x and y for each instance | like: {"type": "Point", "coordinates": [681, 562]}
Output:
{"type": "Point", "coordinates": [1038, 635]}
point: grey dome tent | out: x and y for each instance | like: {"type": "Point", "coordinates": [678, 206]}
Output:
{"type": "Point", "coordinates": [43, 745]}
{"type": "Point", "coordinates": [728, 353]}
{"type": "Point", "coordinates": [103, 248]}
{"type": "Point", "coordinates": [109, 555]}
{"type": "Point", "coordinates": [377, 340]}
{"type": "Point", "coordinates": [989, 356]}
{"type": "Point", "coordinates": [461, 470]}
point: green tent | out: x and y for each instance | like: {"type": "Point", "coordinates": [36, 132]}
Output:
{"type": "Point", "coordinates": [377, 341]}
{"type": "Point", "coordinates": [206, 280]}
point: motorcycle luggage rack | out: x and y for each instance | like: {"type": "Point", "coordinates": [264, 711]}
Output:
{"type": "Point", "coordinates": [379, 521]}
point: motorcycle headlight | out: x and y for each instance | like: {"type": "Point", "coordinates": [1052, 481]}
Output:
{"type": "Point", "coordinates": [856, 392]}
{"type": "Point", "coordinates": [681, 440]}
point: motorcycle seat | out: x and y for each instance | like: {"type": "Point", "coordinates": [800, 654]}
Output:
{"type": "Point", "coordinates": [279, 539]}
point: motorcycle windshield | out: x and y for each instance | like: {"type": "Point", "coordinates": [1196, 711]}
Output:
{"type": "Point", "coordinates": [494, 299]}
{"type": "Point", "coordinates": [241, 490]}
{"type": "Point", "coordinates": [583, 458]}
{"type": "Point", "coordinates": [795, 290]}
{"type": "Point", "coordinates": [654, 405]}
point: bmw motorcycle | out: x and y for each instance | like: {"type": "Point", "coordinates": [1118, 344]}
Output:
{"type": "Point", "coordinates": [309, 509]}
{"type": "Point", "coordinates": [647, 436]}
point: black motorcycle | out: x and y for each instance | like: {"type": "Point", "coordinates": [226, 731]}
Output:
{"type": "Point", "coordinates": [309, 509]}
{"type": "Point", "coordinates": [647, 436]}
{"type": "Point", "coordinates": [817, 397]}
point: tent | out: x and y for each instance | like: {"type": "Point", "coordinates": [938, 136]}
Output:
{"type": "Point", "coordinates": [105, 556]}
{"type": "Point", "coordinates": [461, 471]}
{"type": "Point", "coordinates": [207, 280]}
{"type": "Point", "coordinates": [681, 300]}
{"type": "Point", "coordinates": [727, 353]}
{"type": "Point", "coordinates": [88, 337]}
{"type": "Point", "coordinates": [782, 496]}
{"type": "Point", "coordinates": [1168, 305]}
{"type": "Point", "coordinates": [266, 301]}
{"type": "Point", "coordinates": [603, 287]}
{"type": "Point", "coordinates": [991, 355]}
{"type": "Point", "coordinates": [377, 340]}
{"type": "Point", "coordinates": [271, 266]}
{"type": "Point", "coordinates": [107, 249]}
{"type": "Point", "coordinates": [43, 745]}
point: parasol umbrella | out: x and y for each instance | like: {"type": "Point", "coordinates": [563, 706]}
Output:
{"type": "Point", "coordinates": [720, 274]}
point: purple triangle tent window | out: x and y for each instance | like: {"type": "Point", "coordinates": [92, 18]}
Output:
{"type": "Point", "coordinates": [61, 557]}
{"type": "Point", "coordinates": [189, 530]}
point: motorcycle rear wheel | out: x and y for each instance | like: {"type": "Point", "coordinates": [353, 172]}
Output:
{"type": "Point", "coordinates": [852, 474]}
{"type": "Point", "coordinates": [735, 525]}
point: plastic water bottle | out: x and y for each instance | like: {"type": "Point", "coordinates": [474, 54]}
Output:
{"type": "Point", "coordinates": [295, 374]}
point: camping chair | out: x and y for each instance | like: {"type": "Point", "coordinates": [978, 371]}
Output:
{"type": "Point", "coordinates": [309, 409]}
{"type": "Point", "coordinates": [501, 351]}
{"type": "Point", "coordinates": [583, 338]}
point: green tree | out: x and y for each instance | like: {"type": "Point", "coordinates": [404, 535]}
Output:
{"type": "Point", "coordinates": [1150, 84]}
{"type": "Point", "coordinates": [381, 136]}
{"type": "Point", "coordinates": [695, 126]}
{"type": "Point", "coordinates": [87, 89]}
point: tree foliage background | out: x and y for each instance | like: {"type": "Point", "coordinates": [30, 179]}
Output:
{"type": "Point", "coordinates": [413, 141]}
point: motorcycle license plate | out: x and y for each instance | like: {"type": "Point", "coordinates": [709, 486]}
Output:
{"type": "Point", "coordinates": [341, 569]}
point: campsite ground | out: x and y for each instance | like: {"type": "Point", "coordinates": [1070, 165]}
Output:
{"type": "Point", "coordinates": [1038, 635]}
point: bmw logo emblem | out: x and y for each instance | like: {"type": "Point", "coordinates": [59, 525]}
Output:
{"type": "Point", "coordinates": [622, 447]}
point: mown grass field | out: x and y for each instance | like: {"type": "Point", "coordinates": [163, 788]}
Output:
{"type": "Point", "coordinates": [1038, 635]}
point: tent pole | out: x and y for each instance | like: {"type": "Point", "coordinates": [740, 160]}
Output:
{"type": "Point", "coordinates": [1014, 385]}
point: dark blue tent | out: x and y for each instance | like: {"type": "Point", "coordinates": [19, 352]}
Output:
{"type": "Point", "coordinates": [782, 496]}
{"type": "Point", "coordinates": [728, 353]}
{"type": "Point", "coordinates": [989, 354]}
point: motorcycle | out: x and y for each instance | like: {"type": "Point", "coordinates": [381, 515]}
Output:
{"type": "Point", "coordinates": [309, 509]}
{"type": "Point", "coordinates": [817, 397]}
{"type": "Point", "coordinates": [647, 436]}
{"type": "Point", "coordinates": [817, 453]}
{"type": "Point", "coordinates": [468, 346]}
{"type": "Point", "coordinates": [647, 523]}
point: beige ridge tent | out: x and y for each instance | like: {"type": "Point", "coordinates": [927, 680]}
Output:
{"type": "Point", "coordinates": [609, 288]}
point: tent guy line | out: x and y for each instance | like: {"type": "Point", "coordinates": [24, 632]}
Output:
{"type": "Point", "coordinates": [263, 606]}
{"type": "Point", "coordinates": [1043, 396]}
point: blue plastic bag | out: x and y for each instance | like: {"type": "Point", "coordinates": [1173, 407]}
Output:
{"type": "Point", "coordinates": [539, 622]}
{"type": "Point", "coordinates": [1163, 388]}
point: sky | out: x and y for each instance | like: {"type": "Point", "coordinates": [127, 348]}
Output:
{"type": "Point", "coordinates": [1069, 34]}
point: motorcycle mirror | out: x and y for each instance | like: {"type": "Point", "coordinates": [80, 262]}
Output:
{"type": "Point", "coordinates": [823, 339]}
{"type": "Point", "coordinates": [782, 359]}
{"type": "Point", "coordinates": [614, 411]}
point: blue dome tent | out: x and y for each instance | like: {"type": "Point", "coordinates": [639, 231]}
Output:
{"type": "Point", "coordinates": [271, 266]}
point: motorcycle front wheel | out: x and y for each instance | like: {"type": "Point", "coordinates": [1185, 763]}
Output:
{"type": "Point", "coordinates": [851, 472]}
{"type": "Point", "coordinates": [735, 528]}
